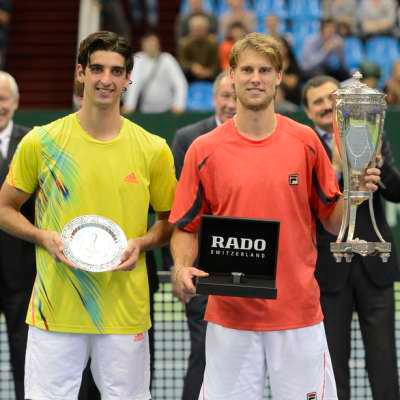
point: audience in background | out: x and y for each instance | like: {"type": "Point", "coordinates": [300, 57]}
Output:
{"type": "Point", "coordinates": [235, 32]}
{"type": "Point", "coordinates": [237, 13]}
{"type": "Point", "coordinates": [343, 12]}
{"type": "Point", "coordinates": [323, 53]}
{"type": "Point", "coordinates": [198, 51]}
{"type": "Point", "coordinates": [5, 12]}
{"type": "Point", "coordinates": [392, 86]}
{"type": "Point", "coordinates": [158, 83]}
{"type": "Point", "coordinates": [194, 7]}
{"type": "Point", "coordinates": [377, 17]}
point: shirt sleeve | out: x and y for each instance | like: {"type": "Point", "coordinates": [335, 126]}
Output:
{"type": "Point", "coordinates": [190, 202]}
{"type": "Point", "coordinates": [23, 173]}
{"type": "Point", "coordinates": [325, 190]}
{"type": "Point", "coordinates": [162, 180]}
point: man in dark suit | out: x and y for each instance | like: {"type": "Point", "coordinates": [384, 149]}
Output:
{"type": "Point", "coordinates": [225, 107]}
{"type": "Point", "coordinates": [366, 284]}
{"type": "Point", "coordinates": [17, 257]}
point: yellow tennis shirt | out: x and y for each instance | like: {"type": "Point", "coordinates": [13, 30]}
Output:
{"type": "Point", "coordinates": [75, 174]}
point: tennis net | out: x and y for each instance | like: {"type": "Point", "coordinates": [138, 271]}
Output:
{"type": "Point", "coordinates": [172, 346]}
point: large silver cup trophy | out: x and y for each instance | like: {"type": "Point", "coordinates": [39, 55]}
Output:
{"type": "Point", "coordinates": [359, 113]}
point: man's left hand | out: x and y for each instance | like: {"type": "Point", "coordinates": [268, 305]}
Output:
{"type": "Point", "coordinates": [129, 256]}
{"type": "Point", "coordinates": [371, 179]}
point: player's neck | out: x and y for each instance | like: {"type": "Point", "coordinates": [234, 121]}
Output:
{"type": "Point", "coordinates": [100, 123]}
{"type": "Point", "coordinates": [255, 125]}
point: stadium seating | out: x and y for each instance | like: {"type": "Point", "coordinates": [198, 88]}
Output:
{"type": "Point", "coordinates": [382, 50]}
{"type": "Point", "coordinates": [221, 6]}
{"type": "Point", "coordinates": [271, 7]}
{"type": "Point", "coordinates": [354, 53]}
{"type": "Point", "coordinates": [304, 9]}
{"type": "Point", "coordinates": [208, 6]}
{"type": "Point", "coordinates": [200, 97]}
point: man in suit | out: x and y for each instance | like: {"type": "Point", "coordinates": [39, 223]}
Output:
{"type": "Point", "coordinates": [225, 107]}
{"type": "Point", "coordinates": [17, 257]}
{"type": "Point", "coordinates": [366, 284]}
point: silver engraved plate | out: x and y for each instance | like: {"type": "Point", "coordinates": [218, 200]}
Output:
{"type": "Point", "coordinates": [93, 243]}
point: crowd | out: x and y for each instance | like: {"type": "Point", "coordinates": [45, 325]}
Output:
{"type": "Point", "coordinates": [317, 37]}
{"type": "Point", "coordinates": [248, 80]}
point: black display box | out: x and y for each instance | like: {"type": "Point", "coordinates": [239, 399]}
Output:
{"type": "Point", "coordinates": [240, 255]}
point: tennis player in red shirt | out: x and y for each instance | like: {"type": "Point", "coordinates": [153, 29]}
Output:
{"type": "Point", "coordinates": [243, 168]}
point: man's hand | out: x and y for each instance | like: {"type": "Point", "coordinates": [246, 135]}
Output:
{"type": "Point", "coordinates": [52, 242]}
{"type": "Point", "coordinates": [371, 179]}
{"type": "Point", "coordinates": [182, 282]}
{"type": "Point", "coordinates": [129, 256]}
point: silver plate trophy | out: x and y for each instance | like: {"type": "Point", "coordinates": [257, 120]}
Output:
{"type": "Point", "coordinates": [359, 113]}
{"type": "Point", "coordinates": [93, 243]}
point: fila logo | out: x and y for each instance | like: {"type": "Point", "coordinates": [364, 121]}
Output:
{"type": "Point", "coordinates": [138, 337]}
{"type": "Point", "coordinates": [131, 178]}
{"type": "Point", "coordinates": [294, 179]}
{"type": "Point", "coordinates": [312, 396]}
{"type": "Point", "coordinates": [238, 243]}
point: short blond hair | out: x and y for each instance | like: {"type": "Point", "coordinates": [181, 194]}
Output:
{"type": "Point", "coordinates": [262, 44]}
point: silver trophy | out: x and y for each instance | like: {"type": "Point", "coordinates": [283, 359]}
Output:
{"type": "Point", "coordinates": [359, 113]}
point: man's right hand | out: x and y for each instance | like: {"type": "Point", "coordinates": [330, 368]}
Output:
{"type": "Point", "coordinates": [182, 282]}
{"type": "Point", "coordinates": [52, 242]}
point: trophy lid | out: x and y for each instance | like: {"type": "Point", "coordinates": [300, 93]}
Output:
{"type": "Point", "coordinates": [354, 88]}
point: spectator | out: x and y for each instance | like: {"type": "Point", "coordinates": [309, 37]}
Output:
{"type": "Point", "coordinates": [17, 257]}
{"type": "Point", "coordinates": [5, 13]}
{"type": "Point", "coordinates": [365, 285]}
{"type": "Point", "coordinates": [237, 13]}
{"type": "Point", "coordinates": [392, 86]}
{"type": "Point", "coordinates": [235, 32]}
{"type": "Point", "coordinates": [377, 17]}
{"type": "Point", "coordinates": [158, 83]}
{"type": "Point", "coordinates": [323, 53]}
{"type": "Point", "coordinates": [198, 52]}
{"type": "Point", "coordinates": [273, 26]}
{"type": "Point", "coordinates": [182, 21]}
{"type": "Point", "coordinates": [292, 77]}
{"type": "Point", "coordinates": [343, 12]}
{"type": "Point", "coordinates": [225, 107]}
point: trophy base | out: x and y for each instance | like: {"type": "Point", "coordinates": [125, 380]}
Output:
{"type": "Point", "coordinates": [346, 250]}
{"type": "Point", "coordinates": [228, 285]}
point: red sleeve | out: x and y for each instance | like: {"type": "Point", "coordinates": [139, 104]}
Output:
{"type": "Point", "coordinates": [325, 190]}
{"type": "Point", "coordinates": [189, 202]}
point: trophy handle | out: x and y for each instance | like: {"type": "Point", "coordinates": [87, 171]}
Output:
{"type": "Point", "coordinates": [345, 219]}
{"type": "Point", "coordinates": [352, 221]}
{"type": "Point", "coordinates": [374, 224]}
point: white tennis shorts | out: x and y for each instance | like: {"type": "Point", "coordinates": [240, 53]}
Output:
{"type": "Point", "coordinates": [54, 363]}
{"type": "Point", "coordinates": [297, 362]}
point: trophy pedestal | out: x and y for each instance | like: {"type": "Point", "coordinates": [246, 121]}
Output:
{"type": "Point", "coordinates": [227, 285]}
{"type": "Point", "coordinates": [347, 250]}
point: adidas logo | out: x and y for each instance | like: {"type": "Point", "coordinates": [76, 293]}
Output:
{"type": "Point", "coordinates": [131, 178]}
